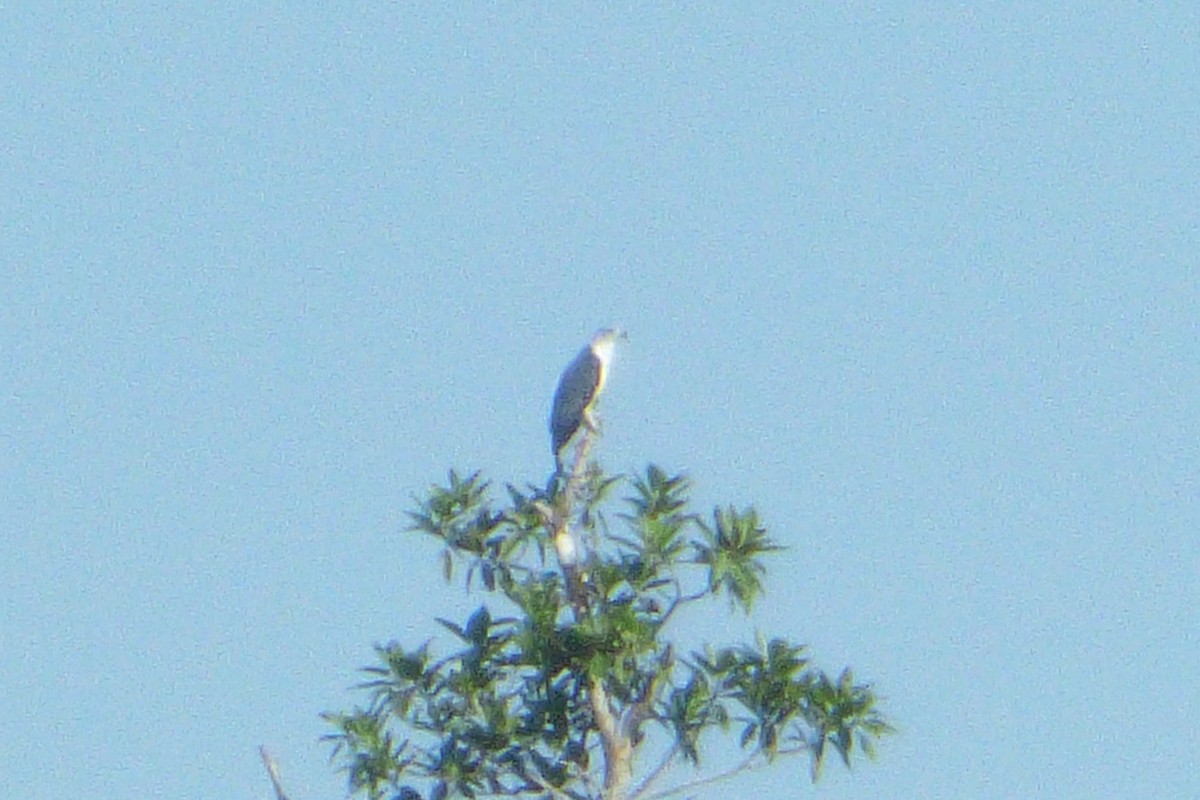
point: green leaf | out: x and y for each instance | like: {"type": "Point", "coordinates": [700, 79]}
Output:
{"type": "Point", "coordinates": [510, 712]}
{"type": "Point", "coordinates": [731, 549]}
{"type": "Point", "coordinates": [453, 628]}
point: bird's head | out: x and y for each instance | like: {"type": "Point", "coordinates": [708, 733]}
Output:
{"type": "Point", "coordinates": [603, 341]}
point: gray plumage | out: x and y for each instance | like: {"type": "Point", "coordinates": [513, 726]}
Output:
{"type": "Point", "coordinates": [578, 389]}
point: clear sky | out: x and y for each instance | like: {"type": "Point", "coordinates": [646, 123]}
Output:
{"type": "Point", "coordinates": [919, 281]}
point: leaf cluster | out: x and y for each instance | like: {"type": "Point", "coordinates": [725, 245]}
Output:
{"type": "Point", "coordinates": [512, 711]}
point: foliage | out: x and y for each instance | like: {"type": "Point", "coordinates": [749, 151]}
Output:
{"type": "Point", "coordinates": [553, 700]}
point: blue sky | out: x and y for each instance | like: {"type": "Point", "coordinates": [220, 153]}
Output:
{"type": "Point", "coordinates": [919, 281]}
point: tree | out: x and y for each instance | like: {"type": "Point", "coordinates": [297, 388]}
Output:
{"type": "Point", "coordinates": [557, 697]}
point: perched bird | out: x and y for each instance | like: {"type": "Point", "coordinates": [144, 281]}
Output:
{"type": "Point", "coordinates": [579, 388]}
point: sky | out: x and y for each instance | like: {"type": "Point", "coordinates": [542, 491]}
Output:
{"type": "Point", "coordinates": [918, 281]}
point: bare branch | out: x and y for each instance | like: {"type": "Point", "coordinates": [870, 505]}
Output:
{"type": "Point", "coordinates": [746, 764]}
{"type": "Point", "coordinates": [655, 773]}
{"type": "Point", "coordinates": [752, 761]}
{"type": "Point", "coordinates": [680, 599]}
{"type": "Point", "coordinates": [273, 772]}
{"type": "Point", "coordinates": [566, 546]}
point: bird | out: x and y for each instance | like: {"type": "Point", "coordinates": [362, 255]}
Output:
{"type": "Point", "coordinates": [578, 389]}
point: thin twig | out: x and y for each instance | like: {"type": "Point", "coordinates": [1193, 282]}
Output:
{"type": "Point", "coordinates": [746, 764]}
{"type": "Point", "coordinates": [655, 773]}
{"type": "Point", "coordinates": [711, 779]}
{"type": "Point", "coordinates": [273, 772]}
{"type": "Point", "coordinates": [680, 599]}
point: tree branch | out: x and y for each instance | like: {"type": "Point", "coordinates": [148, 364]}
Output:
{"type": "Point", "coordinates": [680, 599]}
{"type": "Point", "coordinates": [273, 772]}
{"type": "Point", "coordinates": [655, 773]}
{"type": "Point", "coordinates": [567, 546]}
{"type": "Point", "coordinates": [746, 764]}
{"type": "Point", "coordinates": [618, 750]}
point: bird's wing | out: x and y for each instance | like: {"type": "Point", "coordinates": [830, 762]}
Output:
{"type": "Point", "coordinates": [576, 389]}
